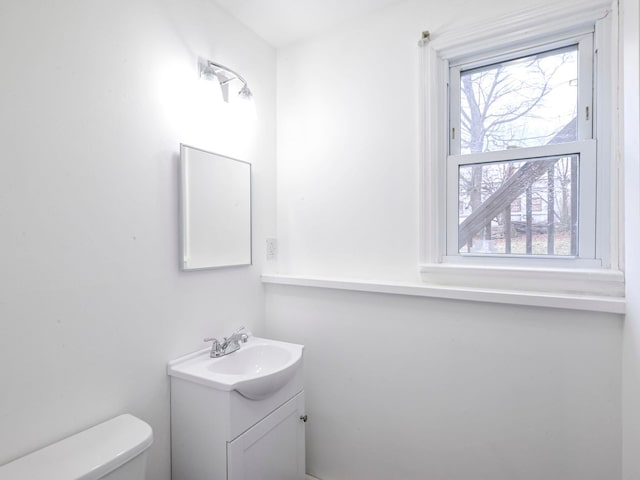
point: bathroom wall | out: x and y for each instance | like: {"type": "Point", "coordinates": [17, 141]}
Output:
{"type": "Point", "coordinates": [95, 98]}
{"type": "Point", "coordinates": [399, 386]}
{"type": "Point", "coordinates": [414, 388]}
{"type": "Point", "coordinates": [631, 344]}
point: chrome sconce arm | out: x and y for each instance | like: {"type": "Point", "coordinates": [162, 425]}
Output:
{"type": "Point", "coordinates": [209, 70]}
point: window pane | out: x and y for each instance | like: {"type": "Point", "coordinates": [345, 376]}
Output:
{"type": "Point", "coordinates": [527, 102]}
{"type": "Point", "coordinates": [523, 207]}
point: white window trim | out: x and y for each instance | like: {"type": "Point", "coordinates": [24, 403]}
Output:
{"type": "Point", "coordinates": [534, 276]}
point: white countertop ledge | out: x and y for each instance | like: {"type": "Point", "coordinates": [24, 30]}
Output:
{"type": "Point", "coordinates": [534, 299]}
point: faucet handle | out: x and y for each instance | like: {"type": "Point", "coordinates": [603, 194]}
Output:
{"type": "Point", "coordinates": [216, 347]}
{"type": "Point", "coordinates": [243, 337]}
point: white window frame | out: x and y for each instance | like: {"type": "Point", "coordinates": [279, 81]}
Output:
{"type": "Point", "coordinates": [596, 271]}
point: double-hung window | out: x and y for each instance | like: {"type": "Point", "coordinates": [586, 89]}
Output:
{"type": "Point", "coordinates": [520, 132]}
{"type": "Point", "coordinates": [519, 147]}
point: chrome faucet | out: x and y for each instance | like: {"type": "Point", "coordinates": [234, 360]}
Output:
{"type": "Point", "coordinates": [229, 345]}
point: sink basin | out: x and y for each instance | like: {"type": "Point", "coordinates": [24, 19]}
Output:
{"type": "Point", "coordinates": [259, 369]}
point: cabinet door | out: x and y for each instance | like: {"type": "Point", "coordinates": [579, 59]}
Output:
{"type": "Point", "coordinates": [273, 449]}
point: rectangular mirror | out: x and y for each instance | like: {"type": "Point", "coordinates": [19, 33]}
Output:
{"type": "Point", "coordinates": [215, 210]}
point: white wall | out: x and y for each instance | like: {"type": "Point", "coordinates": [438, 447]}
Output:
{"type": "Point", "coordinates": [631, 342]}
{"type": "Point", "coordinates": [412, 388]}
{"type": "Point", "coordinates": [348, 106]}
{"type": "Point", "coordinates": [502, 392]}
{"type": "Point", "coordinates": [95, 98]}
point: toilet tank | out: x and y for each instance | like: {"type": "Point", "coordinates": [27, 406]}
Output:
{"type": "Point", "coordinates": [113, 450]}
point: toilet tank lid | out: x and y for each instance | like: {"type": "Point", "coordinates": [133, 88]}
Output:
{"type": "Point", "coordinates": [88, 455]}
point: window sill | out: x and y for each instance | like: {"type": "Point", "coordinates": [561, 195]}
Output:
{"type": "Point", "coordinates": [541, 280]}
{"type": "Point", "coordinates": [594, 303]}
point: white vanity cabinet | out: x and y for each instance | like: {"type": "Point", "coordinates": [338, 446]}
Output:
{"type": "Point", "coordinates": [273, 449]}
{"type": "Point", "coordinates": [223, 435]}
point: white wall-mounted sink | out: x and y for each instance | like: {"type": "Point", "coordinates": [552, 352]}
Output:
{"type": "Point", "coordinates": [259, 369]}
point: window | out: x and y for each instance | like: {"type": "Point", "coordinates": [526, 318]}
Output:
{"type": "Point", "coordinates": [518, 149]}
{"type": "Point", "coordinates": [521, 129]}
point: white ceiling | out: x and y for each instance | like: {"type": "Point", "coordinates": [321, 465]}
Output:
{"type": "Point", "coordinates": [281, 22]}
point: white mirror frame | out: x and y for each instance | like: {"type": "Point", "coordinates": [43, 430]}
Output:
{"type": "Point", "coordinates": [215, 207]}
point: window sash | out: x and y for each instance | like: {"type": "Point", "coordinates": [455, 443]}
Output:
{"type": "Point", "coordinates": [585, 82]}
{"type": "Point", "coordinates": [585, 149]}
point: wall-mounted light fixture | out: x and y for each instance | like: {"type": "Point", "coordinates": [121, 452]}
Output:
{"type": "Point", "coordinates": [225, 77]}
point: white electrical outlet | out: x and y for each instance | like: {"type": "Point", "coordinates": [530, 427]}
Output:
{"type": "Point", "coordinates": [272, 248]}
